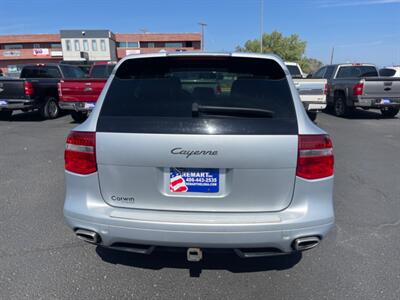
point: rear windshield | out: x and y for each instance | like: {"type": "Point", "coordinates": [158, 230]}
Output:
{"type": "Point", "coordinates": [168, 95]}
{"type": "Point", "coordinates": [294, 71]}
{"type": "Point", "coordinates": [387, 72]}
{"type": "Point", "coordinates": [357, 72]}
{"type": "Point", "coordinates": [101, 71]}
{"type": "Point", "coordinates": [72, 72]}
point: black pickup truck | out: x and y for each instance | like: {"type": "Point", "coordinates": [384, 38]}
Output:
{"type": "Point", "coordinates": [36, 89]}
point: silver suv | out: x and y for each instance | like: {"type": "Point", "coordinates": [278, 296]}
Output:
{"type": "Point", "coordinates": [197, 151]}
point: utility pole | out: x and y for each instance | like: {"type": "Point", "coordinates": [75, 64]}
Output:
{"type": "Point", "coordinates": [332, 53]}
{"type": "Point", "coordinates": [202, 34]}
{"type": "Point", "coordinates": [261, 25]}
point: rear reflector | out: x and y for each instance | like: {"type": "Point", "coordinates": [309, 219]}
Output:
{"type": "Point", "coordinates": [80, 153]}
{"type": "Point", "coordinates": [28, 88]}
{"type": "Point", "coordinates": [315, 158]}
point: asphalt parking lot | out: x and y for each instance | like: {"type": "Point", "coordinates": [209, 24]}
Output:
{"type": "Point", "coordinates": [40, 258]}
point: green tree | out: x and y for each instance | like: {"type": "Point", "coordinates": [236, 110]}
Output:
{"type": "Point", "coordinates": [289, 48]}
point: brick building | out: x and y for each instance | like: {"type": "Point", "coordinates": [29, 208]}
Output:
{"type": "Point", "coordinates": [87, 45]}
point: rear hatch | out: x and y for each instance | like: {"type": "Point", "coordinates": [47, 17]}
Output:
{"type": "Point", "coordinates": [382, 88]}
{"type": "Point", "coordinates": [12, 89]}
{"type": "Point", "coordinates": [163, 143]}
{"type": "Point", "coordinates": [87, 90]}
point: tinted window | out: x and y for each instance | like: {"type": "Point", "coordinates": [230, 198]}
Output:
{"type": "Point", "coordinates": [357, 71]}
{"type": "Point", "coordinates": [320, 73]}
{"type": "Point", "coordinates": [387, 72]}
{"type": "Point", "coordinates": [72, 72]}
{"type": "Point", "coordinates": [156, 95]}
{"type": "Point", "coordinates": [101, 71]}
{"type": "Point", "coordinates": [50, 72]}
{"type": "Point", "coordinates": [40, 72]}
{"type": "Point", "coordinates": [294, 71]}
{"type": "Point", "coordinates": [329, 72]}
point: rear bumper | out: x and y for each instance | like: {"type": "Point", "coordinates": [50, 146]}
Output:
{"type": "Point", "coordinates": [309, 214]}
{"type": "Point", "coordinates": [376, 103]}
{"type": "Point", "coordinates": [77, 106]}
{"type": "Point", "coordinates": [314, 106]}
{"type": "Point", "coordinates": [11, 104]}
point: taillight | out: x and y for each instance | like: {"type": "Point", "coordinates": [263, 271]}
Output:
{"type": "Point", "coordinates": [315, 158]}
{"type": "Point", "coordinates": [326, 89]}
{"type": "Point", "coordinates": [59, 90]}
{"type": "Point", "coordinates": [80, 153]}
{"type": "Point", "coordinates": [358, 89]}
{"type": "Point", "coordinates": [28, 88]}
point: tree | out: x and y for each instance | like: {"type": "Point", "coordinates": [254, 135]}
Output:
{"type": "Point", "coordinates": [289, 48]}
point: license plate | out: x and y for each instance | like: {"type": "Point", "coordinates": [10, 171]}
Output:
{"type": "Point", "coordinates": [386, 101]}
{"type": "Point", "coordinates": [194, 180]}
{"type": "Point", "coordinates": [89, 105]}
{"type": "Point", "coordinates": [3, 102]}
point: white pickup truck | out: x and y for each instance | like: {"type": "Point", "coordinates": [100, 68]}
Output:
{"type": "Point", "coordinates": [312, 91]}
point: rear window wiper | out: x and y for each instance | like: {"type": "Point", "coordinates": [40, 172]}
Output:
{"type": "Point", "coordinates": [236, 111]}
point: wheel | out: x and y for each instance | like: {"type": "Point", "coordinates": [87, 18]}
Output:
{"type": "Point", "coordinates": [340, 108]}
{"type": "Point", "coordinates": [50, 109]}
{"type": "Point", "coordinates": [79, 116]}
{"type": "Point", "coordinates": [312, 115]}
{"type": "Point", "coordinates": [389, 112]}
{"type": "Point", "coordinates": [5, 114]}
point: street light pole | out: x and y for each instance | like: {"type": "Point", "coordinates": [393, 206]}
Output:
{"type": "Point", "coordinates": [261, 26]}
{"type": "Point", "coordinates": [332, 53]}
{"type": "Point", "coordinates": [202, 34]}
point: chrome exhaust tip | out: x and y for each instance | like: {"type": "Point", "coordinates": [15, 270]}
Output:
{"type": "Point", "coordinates": [88, 236]}
{"type": "Point", "coordinates": [305, 243]}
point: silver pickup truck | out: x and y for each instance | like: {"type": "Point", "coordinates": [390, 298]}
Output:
{"type": "Point", "coordinates": [359, 85]}
{"type": "Point", "coordinates": [312, 91]}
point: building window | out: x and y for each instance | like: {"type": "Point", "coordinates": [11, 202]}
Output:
{"type": "Point", "coordinates": [103, 45]}
{"type": "Point", "coordinates": [13, 46]}
{"type": "Point", "coordinates": [150, 45]}
{"type": "Point", "coordinates": [128, 45]}
{"type": "Point", "coordinates": [94, 45]}
{"type": "Point", "coordinates": [68, 45]}
{"type": "Point", "coordinates": [36, 46]}
{"type": "Point", "coordinates": [55, 45]}
{"type": "Point", "coordinates": [85, 45]}
{"type": "Point", "coordinates": [77, 46]}
{"type": "Point", "coordinates": [174, 44]}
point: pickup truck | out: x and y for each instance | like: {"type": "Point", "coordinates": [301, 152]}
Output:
{"type": "Point", "coordinates": [359, 85]}
{"type": "Point", "coordinates": [79, 96]}
{"type": "Point", "coordinates": [36, 89]}
{"type": "Point", "coordinates": [312, 91]}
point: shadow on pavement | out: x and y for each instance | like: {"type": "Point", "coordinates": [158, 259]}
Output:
{"type": "Point", "coordinates": [31, 116]}
{"type": "Point", "coordinates": [360, 114]}
{"type": "Point", "coordinates": [212, 261]}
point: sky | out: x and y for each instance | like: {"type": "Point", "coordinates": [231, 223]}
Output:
{"type": "Point", "coordinates": [360, 30]}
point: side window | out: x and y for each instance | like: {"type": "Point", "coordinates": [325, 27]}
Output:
{"type": "Point", "coordinates": [94, 45]}
{"type": "Point", "coordinates": [68, 45]}
{"type": "Point", "coordinates": [320, 73]}
{"type": "Point", "coordinates": [50, 72]}
{"type": "Point", "coordinates": [329, 72]}
{"type": "Point", "coordinates": [77, 46]}
{"type": "Point", "coordinates": [103, 45]}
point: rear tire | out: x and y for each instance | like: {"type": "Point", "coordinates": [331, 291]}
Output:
{"type": "Point", "coordinates": [5, 115]}
{"type": "Point", "coordinates": [312, 115]}
{"type": "Point", "coordinates": [390, 112]}
{"type": "Point", "coordinates": [340, 108]}
{"type": "Point", "coordinates": [50, 108]}
{"type": "Point", "coordinates": [79, 116]}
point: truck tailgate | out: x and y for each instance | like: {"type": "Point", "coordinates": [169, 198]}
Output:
{"type": "Point", "coordinates": [87, 90]}
{"type": "Point", "coordinates": [311, 90]}
{"type": "Point", "coordinates": [11, 89]}
{"type": "Point", "coordinates": [383, 88]}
